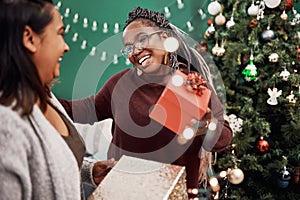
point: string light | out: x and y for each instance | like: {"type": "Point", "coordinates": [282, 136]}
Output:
{"type": "Point", "coordinates": [167, 12]}
{"type": "Point", "coordinates": [180, 5]}
{"type": "Point", "coordinates": [58, 5]}
{"type": "Point", "coordinates": [75, 37]}
{"type": "Point", "coordinates": [85, 22]}
{"type": "Point", "coordinates": [93, 51]}
{"type": "Point", "coordinates": [67, 29]}
{"type": "Point", "coordinates": [116, 30]}
{"type": "Point", "coordinates": [214, 184]}
{"type": "Point", "coordinates": [127, 62]}
{"type": "Point", "coordinates": [105, 27]}
{"type": "Point", "coordinates": [75, 19]}
{"type": "Point", "coordinates": [189, 25]}
{"type": "Point", "coordinates": [115, 61]}
{"type": "Point", "coordinates": [202, 14]}
{"type": "Point", "coordinates": [95, 26]}
{"type": "Point", "coordinates": [188, 133]}
{"type": "Point", "coordinates": [103, 56]}
{"type": "Point", "coordinates": [67, 12]}
{"type": "Point", "coordinates": [83, 44]}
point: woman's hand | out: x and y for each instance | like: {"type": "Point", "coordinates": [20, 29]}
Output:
{"type": "Point", "coordinates": [101, 169]}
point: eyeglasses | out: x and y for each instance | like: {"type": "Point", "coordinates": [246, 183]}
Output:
{"type": "Point", "coordinates": [140, 43]}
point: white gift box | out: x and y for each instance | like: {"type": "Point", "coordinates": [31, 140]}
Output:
{"type": "Point", "coordinates": [135, 178]}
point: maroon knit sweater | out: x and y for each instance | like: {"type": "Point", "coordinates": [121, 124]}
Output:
{"type": "Point", "coordinates": [128, 99]}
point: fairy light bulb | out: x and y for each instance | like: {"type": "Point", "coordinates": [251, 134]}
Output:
{"type": "Point", "coordinates": [202, 14]}
{"type": "Point", "coordinates": [75, 19]}
{"type": "Point", "coordinates": [177, 80]}
{"type": "Point", "coordinates": [214, 184]}
{"type": "Point", "coordinates": [67, 29]}
{"type": "Point", "coordinates": [67, 12]}
{"type": "Point", "coordinates": [116, 29]}
{"type": "Point", "coordinates": [83, 44]}
{"type": "Point", "coordinates": [171, 44]}
{"type": "Point", "coordinates": [127, 62]}
{"type": "Point", "coordinates": [103, 56]}
{"type": "Point", "coordinates": [75, 37]}
{"type": "Point", "coordinates": [93, 51]}
{"type": "Point", "coordinates": [188, 133]}
{"type": "Point", "coordinates": [58, 5]}
{"type": "Point", "coordinates": [94, 26]}
{"type": "Point", "coordinates": [167, 12]}
{"type": "Point", "coordinates": [115, 61]}
{"type": "Point", "coordinates": [223, 174]}
{"type": "Point", "coordinates": [105, 27]}
{"type": "Point", "coordinates": [212, 126]}
{"type": "Point", "coordinates": [189, 25]}
{"type": "Point", "coordinates": [85, 22]}
{"type": "Point", "coordinates": [180, 5]}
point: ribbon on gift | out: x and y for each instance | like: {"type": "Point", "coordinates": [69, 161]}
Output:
{"type": "Point", "coordinates": [195, 82]}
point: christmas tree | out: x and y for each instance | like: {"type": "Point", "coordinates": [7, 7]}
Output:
{"type": "Point", "coordinates": [256, 47]}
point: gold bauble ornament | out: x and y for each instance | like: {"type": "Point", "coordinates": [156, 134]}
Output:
{"type": "Point", "coordinates": [220, 19]}
{"type": "Point", "coordinates": [236, 176]}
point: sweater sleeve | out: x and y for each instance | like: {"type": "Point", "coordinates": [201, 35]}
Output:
{"type": "Point", "coordinates": [81, 110]}
{"type": "Point", "coordinates": [14, 153]}
{"type": "Point", "coordinates": [220, 136]}
{"type": "Point", "coordinates": [86, 171]}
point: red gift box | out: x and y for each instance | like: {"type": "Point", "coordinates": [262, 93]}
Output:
{"type": "Point", "coordinates": [179, 105]}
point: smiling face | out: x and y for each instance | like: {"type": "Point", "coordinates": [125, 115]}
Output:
{"type": "Point", "coordinates": [148, 56]}
{"type": "Point", "coordinates": [49, 49]}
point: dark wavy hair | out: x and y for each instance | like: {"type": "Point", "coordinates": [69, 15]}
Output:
{"type": "Point", "coordinates": [20, 85]}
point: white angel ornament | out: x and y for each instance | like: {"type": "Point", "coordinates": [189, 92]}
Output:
{"type": "Point", "coordinates": [273, 96]}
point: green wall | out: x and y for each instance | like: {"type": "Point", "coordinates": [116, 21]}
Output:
{"type": "Point", "coordinates": [82, 74]}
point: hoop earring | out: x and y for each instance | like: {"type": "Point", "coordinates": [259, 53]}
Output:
{"type": "Point", "coordinates": [166, 59]}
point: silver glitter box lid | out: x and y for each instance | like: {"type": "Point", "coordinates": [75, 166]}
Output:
{"type": "Point", "coordinates": [135, 178]}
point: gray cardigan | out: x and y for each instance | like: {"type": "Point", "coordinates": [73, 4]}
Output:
{"type": "Point", "coordinates": [36, 163]}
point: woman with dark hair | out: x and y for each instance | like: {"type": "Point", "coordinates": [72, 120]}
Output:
{"type": "Point", "coordinates": [129, 96]}
{"type": "Point", "coordinates": [41, 152]}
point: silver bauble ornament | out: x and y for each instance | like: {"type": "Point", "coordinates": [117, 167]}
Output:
{"type": "Point", "coordinates": [272, 3]}
{"type": "Point", "coordinates": [214, 7]}
{"type": "Point", "coordinates": [284, 178]}
{"type": "Point", "coordinates": [267, 35]}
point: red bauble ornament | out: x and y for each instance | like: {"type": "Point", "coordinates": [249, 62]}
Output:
{"type": "Point", "coordinates": [210, 21]}
{"type": "Point", "coordinates": [263, 145]}
{"type": "Point", "coordinates": [288, 4]}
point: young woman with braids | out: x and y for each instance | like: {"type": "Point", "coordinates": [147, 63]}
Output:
{"type": "Point", "coordinates": [128, 96]}
{"type": "Point", "coordinates": [41, 152]}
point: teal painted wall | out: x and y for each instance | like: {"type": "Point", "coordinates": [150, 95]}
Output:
{"type": "Point", "coordinates": [82, 74]}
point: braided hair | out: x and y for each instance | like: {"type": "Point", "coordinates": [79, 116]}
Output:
{"type": "Point", "coordinates": [143, 13]}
